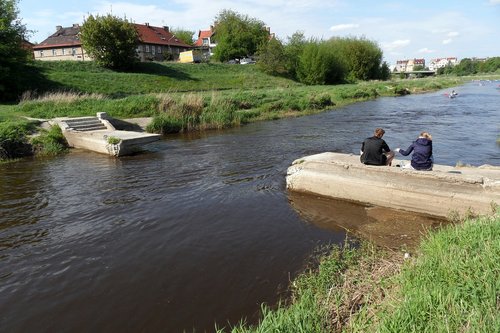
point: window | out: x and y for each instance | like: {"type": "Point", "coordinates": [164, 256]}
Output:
{"type": "Point", "coordinates": [63, 51]}
{"type": "Point", "coordinates": [153, 49]}
{"type": "Point", "coordinates": [73, 51]}
{"type": "Point", "coordinates": [159, 49]}
{"type": "Point", "coordinates": [41, 53]}
{"type": "Point", "coordinates": [147, 48]}
{"type": "Point", "coordinates": [139, 48]}
{"type": "Point", "coordinates": [205, 41]}
{"type": "Point", "coordinates": [54, 52]}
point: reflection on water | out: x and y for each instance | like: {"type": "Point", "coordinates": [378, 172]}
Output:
{"type": "Point", "coordinates": [201, 229]}
{"type": "Point", "coordinates": [383, 226]}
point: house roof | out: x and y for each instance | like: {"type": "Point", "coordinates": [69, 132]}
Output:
{"type": "Point", "coordinates": [62, 37]}
{"type": "Point", "coordinates": [203, 34]}
{"type": "Point", "coordinates": [66, 37]}
{"type": "Point", "coordinates": [157, 35]}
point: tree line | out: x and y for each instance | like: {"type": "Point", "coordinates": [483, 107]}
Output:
{"type": "Point", "coordinates": [469, 66]}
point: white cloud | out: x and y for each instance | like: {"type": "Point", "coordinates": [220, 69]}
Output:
{"type": "Point", "coordinates": [447, 41]}
{"type": "Point", "coordinates": [425, 50]}
{"type": "Point", "coordinates": [340, 27]}
{"type": "Point", "coordinates": [495, 2]}
{"type": "Point", "coordinates": [396, 44]}
{"type": "Point", "coordinates": [453, 33]}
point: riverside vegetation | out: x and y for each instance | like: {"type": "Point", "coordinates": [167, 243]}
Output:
{"type": "Point", "coordinates": [449, 284]}
{"type": "Point", "coordinates": [182, 97]}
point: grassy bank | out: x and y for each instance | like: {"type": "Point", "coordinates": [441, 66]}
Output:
{"type": "Point", "coordinates": [196, 96]}
{"type": "Point", "coordinates": [450, 284]}
{"type": "Point", "coordinates": [185, 97]}
{"type": "Point", "coordinates": [20, 138]}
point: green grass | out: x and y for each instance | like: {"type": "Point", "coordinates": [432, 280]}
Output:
{"type": "Point", "coordinates": [451, 284]}
{"type": "Point", "coordinates": [49, 142]}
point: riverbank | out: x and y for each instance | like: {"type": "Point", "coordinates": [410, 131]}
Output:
{"type": "Point", "coordinates": [447, 284]}
{"type": "Point", "coordinates": [188, 97]}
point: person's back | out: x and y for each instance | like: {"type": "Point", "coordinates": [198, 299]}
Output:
{"type": "Point", "coordinates": [422, 152]}
{"type": "Point", "coordinates": [375, 151]}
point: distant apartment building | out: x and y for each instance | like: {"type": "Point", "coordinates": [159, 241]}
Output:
{"type": "Point", "coordinates": [437, 63]}
{"type": "Point", "coordinates": [409, 65]}
{"type": "Point", "coordinates": [155, 43]}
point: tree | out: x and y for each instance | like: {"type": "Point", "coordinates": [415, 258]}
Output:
{"type": "Point", "coordinates": [110, 41]}
{"type": "Point", "coordinates": [319, 64]}
{"type": "Point", "coordinates": [293, 50]}
{"type": "Point", "coordinates": [385, 71]}
{"type": "Point", "coordinates": [184, 35]}
{"type": "Point", "coordinates": [237, 35]}
{"type": "Point", "coordinates": [361, 57]}
{"type": "Point", "coordinates": [272, 59]}
{"type": "Point", "coordinates": [12, 56]}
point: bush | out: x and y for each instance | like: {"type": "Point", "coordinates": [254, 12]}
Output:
{"type": "Point", "coordinates": [50, 142]}
{"type": "Point", "coordinates": [14, 139]}
{"type": "Point", "coordinates": [164, 124]}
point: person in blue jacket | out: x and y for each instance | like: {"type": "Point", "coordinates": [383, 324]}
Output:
{"type": "Point", "coordinates": [422, 158]}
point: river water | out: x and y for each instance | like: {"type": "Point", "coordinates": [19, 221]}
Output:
{"type": "Point", "coordinates": [200, 229]}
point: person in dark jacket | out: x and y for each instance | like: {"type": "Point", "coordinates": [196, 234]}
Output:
{"type": "Point", "coordinates": [375, 151]}
{"type": "Point", "coordinates": [422, 158]}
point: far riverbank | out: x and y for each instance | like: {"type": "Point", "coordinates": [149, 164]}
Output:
{"type": "Point", "coordinates": [198, 109]}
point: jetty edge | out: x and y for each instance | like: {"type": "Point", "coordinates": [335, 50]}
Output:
{"type": "Point", "coordinates": [440, 192]}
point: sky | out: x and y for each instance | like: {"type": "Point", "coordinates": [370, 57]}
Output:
{"type": "Point", "coordinates": [402, 29]}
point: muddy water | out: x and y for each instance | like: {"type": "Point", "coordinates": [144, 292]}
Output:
{"type": "Point", "coordinates": [201, 228]}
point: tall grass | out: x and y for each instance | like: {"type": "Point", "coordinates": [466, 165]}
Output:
{"type": "Point", "coordinates": [49, 142]}
{"type": "Point", "coordinates": [453, 285]}
{"type": "Point", "coordinates": [309, 309]}
{"type": "Point", "coordinates": [14, 141]}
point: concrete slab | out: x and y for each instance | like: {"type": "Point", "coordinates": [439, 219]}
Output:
{"type": "Point", "coordinates": [436, 192]}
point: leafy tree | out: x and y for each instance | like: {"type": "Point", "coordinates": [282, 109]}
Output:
{"type": "Point", "coordinates": [418, 68]}
{"type": "Point", "coordinates": [293, 50]}
{"type": "Point", "coordinates": [12, 56]}
{"type": "Point", "coordinates": [466, 67]}
{"type": "Point", "coordinates": [272, 59]}
{"type": "Point", "coordinates": [184, 35]}
{"type": "Point", "coordinates": [361, 57]}
{"type": "Point", "coordinates": [238, 35]}
{"type": "Point", "coordinates": [319, 64]}
{"type": "Point", "coordinates": [385, 71]}
{"type": "Point", "coordinates": [110, 41]}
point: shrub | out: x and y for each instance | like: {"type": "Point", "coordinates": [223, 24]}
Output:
{"type": "Point", "coordinates": [50, 142]}
{"type": "Point", "coordinates": [14, 139]}
{"type": "Point", "coordinates": [164, 124]}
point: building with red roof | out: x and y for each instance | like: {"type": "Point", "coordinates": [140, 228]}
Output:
{"type": "Point", "coordinates": [155, 43]}
{"type": "Point", "coordinates": [205, 42]}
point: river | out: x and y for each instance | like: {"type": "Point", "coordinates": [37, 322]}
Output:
{"type": "Point", "coordinates": [200, 229]}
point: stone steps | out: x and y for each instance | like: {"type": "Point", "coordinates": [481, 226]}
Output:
{"type": "Point", "coordinates": [85, 124]}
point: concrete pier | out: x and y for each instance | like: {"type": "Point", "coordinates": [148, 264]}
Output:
{"type": "Point", "coordinates": [437, 192]}
{"type": "Point", "coordinates": [99, 135]}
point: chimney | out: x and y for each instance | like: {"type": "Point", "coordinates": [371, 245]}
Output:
{"type": "Point", "coordinates": [76, 25]}
{"type": "Point", "coordinates": [166, 28]}
{"type": "Point", "coordinates": [58, 27]}
{"type": "Point", "coordinates": [211, 28]}
{"type": "Point", "coordinates": [147, 24]}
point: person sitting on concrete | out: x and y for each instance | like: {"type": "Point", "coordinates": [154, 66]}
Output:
{"type": "Point", "coordinates": [422, 158]}
{"type": "Point", "coordinates": [375, 151]}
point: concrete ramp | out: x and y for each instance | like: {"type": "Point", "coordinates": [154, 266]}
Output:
{"type": "Point", "coordinates": [98, 134]}
{"type": "Point", "coordinates": [437, 192]}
